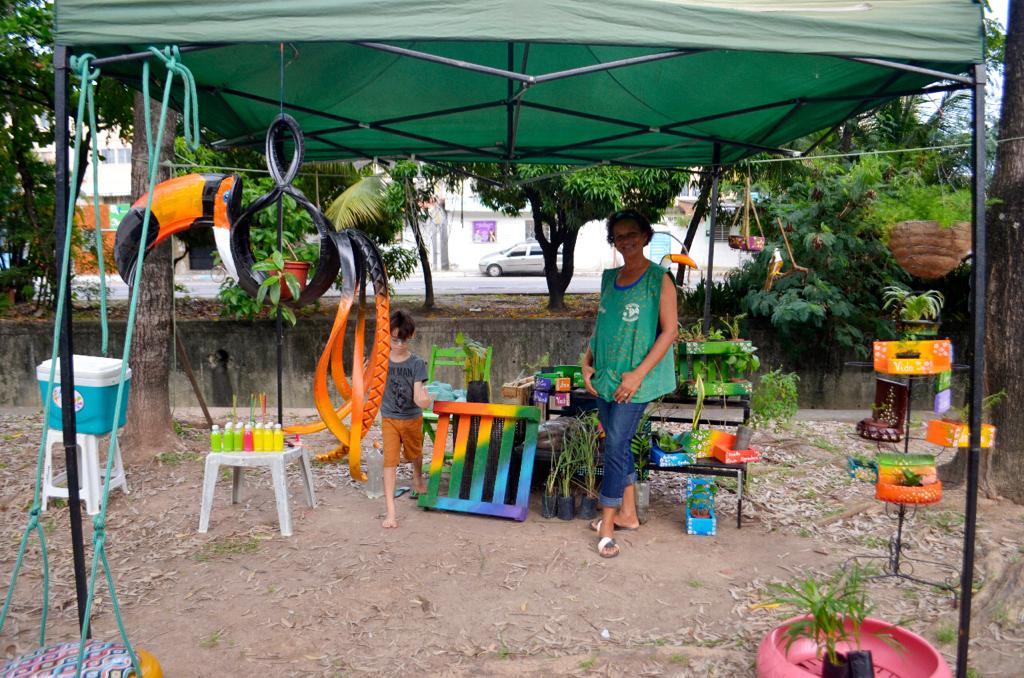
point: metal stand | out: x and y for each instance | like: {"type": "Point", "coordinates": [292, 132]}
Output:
{"type": "Point", "coordinates": [898, 565]}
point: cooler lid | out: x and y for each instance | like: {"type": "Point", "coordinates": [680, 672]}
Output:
{"type": "Point", "coordinates": [89, 371]}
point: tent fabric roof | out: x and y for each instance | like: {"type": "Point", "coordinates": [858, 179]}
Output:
{"type": "Point", "coordinates": [749, 75]}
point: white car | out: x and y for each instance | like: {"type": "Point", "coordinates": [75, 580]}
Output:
{"type": "Point", "coordinates": [525, 258]}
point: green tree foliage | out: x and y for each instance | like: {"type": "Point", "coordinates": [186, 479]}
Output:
{"type": "Point", "coordinates": [563, 199]}
{"type": "Point", "coordinates": [839, 299]}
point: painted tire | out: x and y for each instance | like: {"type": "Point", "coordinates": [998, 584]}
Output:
{"type": "Point", "coordinates": [911, 656]}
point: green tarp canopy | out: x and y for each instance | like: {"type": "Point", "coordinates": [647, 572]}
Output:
{"type": "Point", "coordinates": [529, 80]}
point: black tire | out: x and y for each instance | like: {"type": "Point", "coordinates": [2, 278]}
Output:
{"type": "Point", "coordinates": [494, 271]}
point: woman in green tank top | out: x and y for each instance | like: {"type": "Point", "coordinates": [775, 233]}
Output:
{"type": "Point", "coordinates": [629, 362]}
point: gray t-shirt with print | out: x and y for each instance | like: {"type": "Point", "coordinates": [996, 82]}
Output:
{"type": "Point", "coordinates": [397, 402]}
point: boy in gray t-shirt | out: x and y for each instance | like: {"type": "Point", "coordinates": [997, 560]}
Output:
{"type": "Point", "coordinates": [401, 411]}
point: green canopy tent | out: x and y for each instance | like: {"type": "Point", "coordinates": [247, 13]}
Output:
{"type": "Point", "coordinates": [652, 83]}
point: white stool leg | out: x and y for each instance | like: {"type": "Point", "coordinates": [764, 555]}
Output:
{"type": "Point", "coordinates": [89, 472]}
{"type": "Point", "coordinates": [53, 437]}
{"type": "Point", "coordinates": [280, 478]}
{"type": "Point", "coordinates": [307, 477]}
{"type": "Point", "coordinates": [209, 481]}
{"type": "Point", "coordinates": [119, 479]}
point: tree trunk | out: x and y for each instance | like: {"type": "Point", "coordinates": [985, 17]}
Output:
{"type": "Point", "coordinates": [150, 429]}
{"type": "Point", "coordinates": [445, 263]}
{"type": "Point", "coordinates": [1002, 467]}
{"type": "Point", "coordinates": [412, 217]}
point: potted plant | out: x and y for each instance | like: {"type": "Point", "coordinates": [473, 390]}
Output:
{"type": "Point", "coordinates": [549, 500]}
{"type": "Point", "coordinates": [567, 459]}
{"type": "Point", "coordinates": [280, 285]}
{"type": "Point", "coordinates": [640, 446]}
{"type": "Point", "coordinates": [927, 227]}
{"type": "Point", "coordinates": [587, 438]}
{"type": "Point", "coordinates": [888, 413]}
{"type": "Point", "coordinates": [475, 369]}
{"type": "Point", "coordinates": [700, 505]}
{"type": "Point", "coordinates": [953, 430]}
{"type": "Point", "coordinates": [860, 466]}
{"type": "Point", "coordinates": [834, 611]}
{"type": "Point", "coordinates": [916, 314]}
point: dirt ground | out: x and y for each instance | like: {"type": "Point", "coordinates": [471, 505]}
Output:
{"type": "Point", "coordinates": [459, 595]}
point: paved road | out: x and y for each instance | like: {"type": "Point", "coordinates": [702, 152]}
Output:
{"type": "Point", "coordinates": [203, 286]}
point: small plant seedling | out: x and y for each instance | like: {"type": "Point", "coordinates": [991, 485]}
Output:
{"type": "Point", "coordinates": [945, 634]}
{"type": "Point", "coordinates": [211, 641]}
{"type": "Point", "coordinates": [226, 546]}
{"type": "Point", "coordinates": [679, 660]}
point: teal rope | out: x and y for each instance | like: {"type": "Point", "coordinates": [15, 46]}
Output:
{"type": "Point", "coordinates": [171, 58]}
{"type": "Point", "coordinates": [80, 64]}
{"type": "Point", "coordinates": [88, 90]}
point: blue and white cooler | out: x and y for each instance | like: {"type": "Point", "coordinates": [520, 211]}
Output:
{"type": "Point", "coordinates": [96, 382]}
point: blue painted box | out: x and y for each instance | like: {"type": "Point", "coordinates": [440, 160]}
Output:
{"type": "Point", "coordinates": [705, 489]}
{"type": "Point", "coordinates": [96, 382]}
{"type": "Point", "coordinates": [663, 459]}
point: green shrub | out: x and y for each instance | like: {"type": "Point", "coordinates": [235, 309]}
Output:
{"type": "Point", "coordinates": [775, 399]}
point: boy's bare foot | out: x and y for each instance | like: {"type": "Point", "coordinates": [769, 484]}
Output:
{"type": "Point", "coordinates": [389, 522]}
{"type": "Point", "coordinates": [419, 485]}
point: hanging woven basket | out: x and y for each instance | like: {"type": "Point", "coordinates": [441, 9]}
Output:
{"type": "Point", "coordinates": [927, 250]}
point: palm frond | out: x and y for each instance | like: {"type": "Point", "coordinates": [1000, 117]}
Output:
{"type": "Point", "coordinates": [360, 204]}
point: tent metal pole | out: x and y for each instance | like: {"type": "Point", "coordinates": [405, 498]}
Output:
{"type": "Point", "coordinates": [716, 158]}
{"type": "Point", "coordinates": [141, 56]}
{"type": "Point", "coordinates": [445, 61]}
{"type": "Point", "coordinates": [609, 65]}
{"type": "Point", "coordinates": [979, 270]}
{"type": "Point", "coordinates": [509, 106]}
{"type": "Point", "coordinates": [861, 105]}
{"type": "Point", "coordinates": [781, 121]}
{"type": "Point", "coordinates": [409, 118]}
{"type": "Point", "coordinates": [531, 79]}
{"type": "Point", "coordinates": [918, 70]}
{"type": "Point", "coordinates": [656, 129]}
{"type": "Point", "coordinates": [67, 370]}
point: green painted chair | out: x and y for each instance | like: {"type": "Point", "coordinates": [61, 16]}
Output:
{"type": "Point", "coordinates": [453, 356]}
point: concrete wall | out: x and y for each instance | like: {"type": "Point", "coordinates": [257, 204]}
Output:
{"type": "Point", "coordinates": [239, 357]}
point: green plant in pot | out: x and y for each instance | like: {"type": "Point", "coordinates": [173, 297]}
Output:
{"type": "Point", "coordinates": [701, 501]}
{"type": "Point", "coordinates": [833, 611]}
{"type": "Point", "coordinates": [926, 226]}
{"type": "Point", "coordinates": [916, 313]}
{"type": "Point", "coordinates": [280, 285]}
{"type": "Point", "coordinates": [549, 500]}
{"type": "Point", "coordinates": [567, 460]}
{"type": "Point", "coordinates": [640, 446]}
{"type": "Point", "coordinates": [586, 437]}
{"type": "Point", "coordinates": [475, 369]}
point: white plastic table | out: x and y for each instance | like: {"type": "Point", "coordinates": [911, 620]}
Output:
{"type": "Point", "coordinates": [278, 463]}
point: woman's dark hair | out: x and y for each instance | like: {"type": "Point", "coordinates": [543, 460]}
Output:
{"type": "Point", "coordinates": [402, 324]}
{"type": "Point", "coordinates": [629, 215]}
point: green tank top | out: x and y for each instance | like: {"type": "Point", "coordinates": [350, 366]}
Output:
{"type": "Point", "coordinates": [625, 331]}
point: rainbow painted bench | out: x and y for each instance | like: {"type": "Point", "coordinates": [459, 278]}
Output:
{"type": "Point", "coordinates": [484, 477]}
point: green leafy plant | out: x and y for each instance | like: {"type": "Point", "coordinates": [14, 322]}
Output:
{"type": "Point", "coordinates": [271, 285]}
{"type": "Point", "coordinates": [988, 403]}
{"type": "Point", "coordinates": [701, 500]}
{"type": "Point", "coordinates": [732, 325]}
{"type": "Point", "coordinates": [584, 437]}
{"type": "Point", "coordinates": [698, 405]}
{"type": "Point", "coordinates": [835, 609]}
{"type": "Point", "coordinates": [640, 445]}
{"type": "Point", "coordinates": [666, 442]}
{"type": "Point", "coordinates": [476, 358]}
{"type": "Point", "coordinates": [906, 305]}
{"type": "Point", "coordinates": [775, 400]}
{"type": "Point", "coordinates": [914, 200]}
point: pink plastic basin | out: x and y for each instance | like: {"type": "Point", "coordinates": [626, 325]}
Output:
{"type": "Point", "coordinates": [910, 657]}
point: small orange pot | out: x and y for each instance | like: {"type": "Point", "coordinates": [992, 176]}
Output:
{"type": "Point", "coordinates": [903, 494]}
{"type": "Point", "coordinates": [300, 269]}
{"type": "Point", "coordinates": [955, 434]}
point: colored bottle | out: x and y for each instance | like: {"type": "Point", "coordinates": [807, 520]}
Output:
{"type": "Point", "coordinates": [216, 440]}
{"type": "Point", "coordinates": [258, 438]}
{"type": "Point", "coordinates": [278, 438]}
{"type": "Point", "coordinates": [247, 438]}
{"type": "Point", "coordinates": [236, 438]}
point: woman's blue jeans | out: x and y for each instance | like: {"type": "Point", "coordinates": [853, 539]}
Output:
{"type": "Point", "coordinates": [619, 421]}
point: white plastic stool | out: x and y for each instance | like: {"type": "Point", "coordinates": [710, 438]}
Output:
{"type": "Point", "coordinates": [90, 475]}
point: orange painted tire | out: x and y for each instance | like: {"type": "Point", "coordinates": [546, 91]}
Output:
{"type": "Point", "coordinates": [903, 494]}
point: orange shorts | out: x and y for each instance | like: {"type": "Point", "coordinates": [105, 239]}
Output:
{"type": "Point", "coordinates": [402, 438]}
